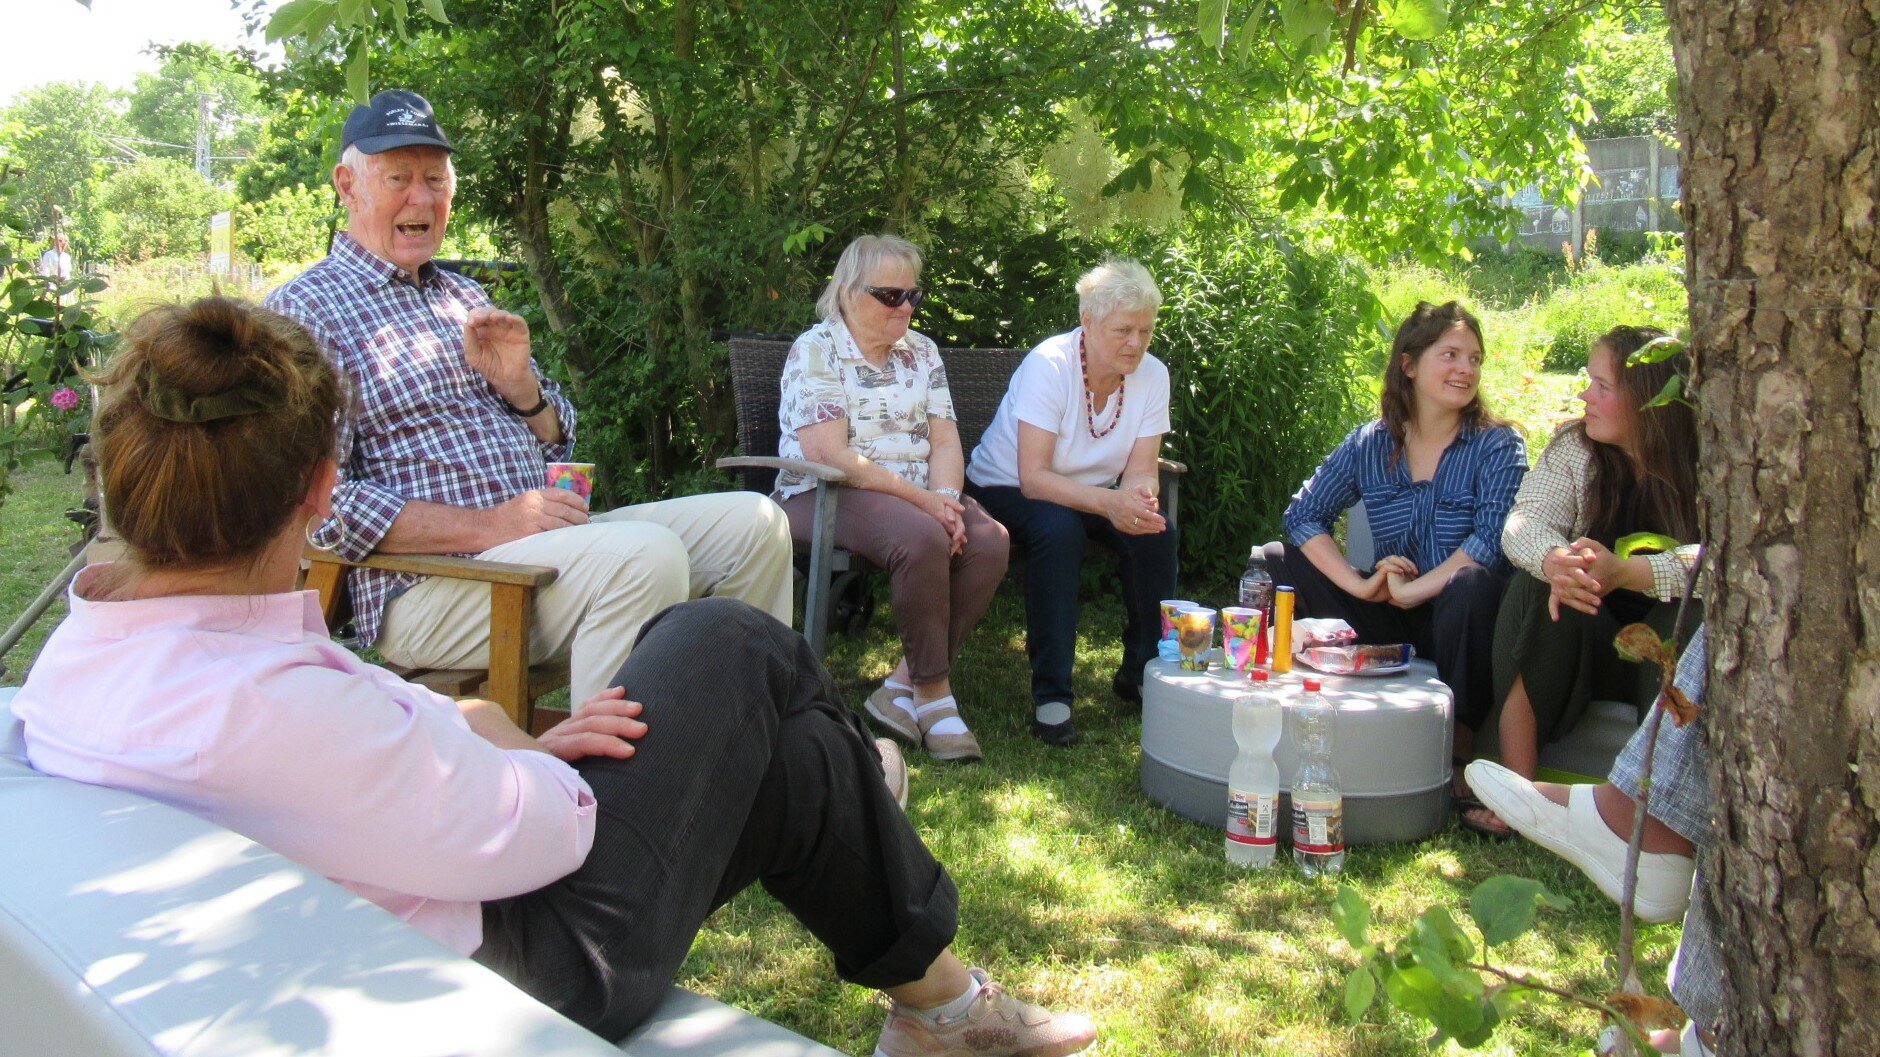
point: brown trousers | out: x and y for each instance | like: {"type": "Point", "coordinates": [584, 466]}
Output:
{"type": "Point", "coordinates": [938, 597]}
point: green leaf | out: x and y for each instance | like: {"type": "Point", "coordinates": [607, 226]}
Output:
{"type": "Point", "coordinates": [435, 8]}
{"type": "Point", "coordinates": [1352, 915]}
{"type": "Point", "coordinates": [1417, 19]}
{"type": "Point", "coordinates": [1302, 20]}
{"type": "Point", "coordinates": [1249, 33]}
{"type": "Point", "coordinates": [1211, 21]}
{"type": "Point", "coordinates": [1657, 350]}
{"type": "Point", "coordinates": [1643, 541]}
{"type": "Point", "coordinates": [350, 10]}
{"type": "Point", "coordinates": [359, 72]}
{"type": "Point", "coordinates": [1415, 990]}
{"type": "Point", "coordinates": [1360, 992]}
{"type": "Point", "coordinates": [1671, 393]}
{"type": "Point", "coordinates": [294, 16]}
{"type": "Point", "coordinates": [1503, 907]}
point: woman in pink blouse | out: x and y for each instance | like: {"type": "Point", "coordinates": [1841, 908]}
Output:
{"type": "Point", "coordinates": [864, 394]}
{"type": "Point", "coordinates": [580, 865]}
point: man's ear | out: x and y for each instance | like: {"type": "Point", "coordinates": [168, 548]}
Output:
{"type": "Point", "coordinates": [343, 178]}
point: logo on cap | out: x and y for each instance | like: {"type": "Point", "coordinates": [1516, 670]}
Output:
{"type": "Point", "coordinates": [406, 117]}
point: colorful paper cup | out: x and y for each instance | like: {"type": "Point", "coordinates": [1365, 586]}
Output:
{"type": "Point", "coordinates": [1170, 607]}
{"type": "Point", "coordinates": [576, 477]}
{"type": "Point", "coordinates": [1240, 632]}
{"type": "Point", "coordinates": [1194, 636]}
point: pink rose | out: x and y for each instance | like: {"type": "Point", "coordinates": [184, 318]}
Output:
{"type": "Point", "coordinates": [64, 398]}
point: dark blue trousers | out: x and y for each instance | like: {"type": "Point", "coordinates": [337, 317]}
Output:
{"type": "Point", "coordinates": [1054, 537]}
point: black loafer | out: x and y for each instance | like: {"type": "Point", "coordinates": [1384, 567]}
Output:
{"type": "Point", "coordinates": [1063, 735]}
{"type": "Point", "coordinates": [1126, 690]}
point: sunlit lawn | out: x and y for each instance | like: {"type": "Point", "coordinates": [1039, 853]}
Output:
{"type": "Point", "coordinates": [1079, 891]}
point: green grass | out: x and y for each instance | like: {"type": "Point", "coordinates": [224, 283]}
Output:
{"type": "Point", "coordinates": [1077, 890]}
{"type": "Point", "coordinates": [35, 544]}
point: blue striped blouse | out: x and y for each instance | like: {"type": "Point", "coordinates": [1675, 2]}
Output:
{"type": "Point", "coordinates": [1464, 505]}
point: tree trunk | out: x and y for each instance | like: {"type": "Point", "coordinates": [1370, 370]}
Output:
{"type": "Point", "coordinates": [1781, 141]}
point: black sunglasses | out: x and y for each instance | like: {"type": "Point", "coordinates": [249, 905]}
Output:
{"type": "Point", "coordinates": [895, 297]}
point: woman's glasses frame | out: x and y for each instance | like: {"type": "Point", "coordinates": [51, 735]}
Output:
{"type": "Point", "coordinates": [896, 296]}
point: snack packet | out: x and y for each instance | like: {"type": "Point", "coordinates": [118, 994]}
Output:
{"type": "Point", "coordinates": [1344, 660]}
{"type": "Point", "coordinates": [1321, 631]}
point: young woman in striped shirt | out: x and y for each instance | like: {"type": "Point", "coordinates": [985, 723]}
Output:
{"type": "Point", "coordinates": [1437, 474]}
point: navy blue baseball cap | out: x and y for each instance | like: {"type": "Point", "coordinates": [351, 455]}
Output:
{"type": "Point", "coordinates": [394, 118]}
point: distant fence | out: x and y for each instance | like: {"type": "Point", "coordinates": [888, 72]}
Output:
{"type": "Point", "coordinates": [1637, 190]}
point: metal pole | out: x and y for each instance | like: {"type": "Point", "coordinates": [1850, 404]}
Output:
{"type": "Point", "coordinates": [202, 134]}
{"type": "Point", "coordinates": [40, 604]}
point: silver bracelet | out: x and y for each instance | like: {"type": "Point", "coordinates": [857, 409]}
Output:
{"type": "Point", "coordinates": [950, 493]}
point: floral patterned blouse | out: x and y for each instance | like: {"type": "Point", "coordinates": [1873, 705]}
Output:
{"type": "Point", "coordinates": [826, 377]}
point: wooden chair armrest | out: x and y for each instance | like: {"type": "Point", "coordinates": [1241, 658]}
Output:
{"type": "Point", "coordinates": [445, 565]}
{"type": "Point", "coordinates": [820, 471]}
{"type": "Point", "coordinates": [1171, 466]}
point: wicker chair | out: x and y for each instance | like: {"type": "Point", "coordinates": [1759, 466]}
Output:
{"type": "Point", "coordinates": [978, 379]}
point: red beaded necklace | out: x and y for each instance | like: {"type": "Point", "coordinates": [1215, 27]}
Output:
{"type": "Point", "coordinates": [1090, 410]}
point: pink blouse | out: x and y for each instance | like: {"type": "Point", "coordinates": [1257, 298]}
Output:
{"type": "Point", "coordinates": [239, 709]}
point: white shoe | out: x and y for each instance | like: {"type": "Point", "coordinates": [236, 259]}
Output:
{"type": "Point", "coordinates": [887, 711]}
{"type": "Point", "coordinates": [1579, 835]}
{"type": "Point", "coordinates": [893, 770]}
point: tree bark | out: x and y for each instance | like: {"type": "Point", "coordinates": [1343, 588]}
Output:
{"type": "Point", "coordinates": [1780, 176]}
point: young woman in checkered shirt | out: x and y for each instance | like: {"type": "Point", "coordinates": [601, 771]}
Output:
{"type": "Point", "coordinates": [1621, 468]}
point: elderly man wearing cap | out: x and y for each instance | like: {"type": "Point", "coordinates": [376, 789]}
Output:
{"type": "Point", "coordinates": [451, 429]}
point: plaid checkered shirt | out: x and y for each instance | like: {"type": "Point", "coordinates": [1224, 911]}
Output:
{"type": "Point", "coordinates": [422, 424]}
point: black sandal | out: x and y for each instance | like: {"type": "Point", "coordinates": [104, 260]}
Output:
{"type": "Point", "coordinates": [1467, 801]}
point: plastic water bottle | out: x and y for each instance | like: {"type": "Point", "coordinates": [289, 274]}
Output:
{"type": "Point", "coordinates": [1256, 592]}
{"type": "Point", "coordinates": [1253, 780]}
{"type": "Point", "coordinates": [1318, 799]}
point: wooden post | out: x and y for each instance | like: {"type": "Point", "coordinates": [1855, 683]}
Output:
{"type": "Point", "coordinates": [509, 650]}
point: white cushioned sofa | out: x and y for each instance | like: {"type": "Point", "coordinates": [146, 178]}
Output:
{"type": "Point", "coordinates": [128, 927]}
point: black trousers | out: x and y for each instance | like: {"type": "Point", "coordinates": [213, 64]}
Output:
{"type": "Point", "coordinates": [750, 771]}
{"type": "Point", "coordinates": [1455, 630]}
{"type": "Point", "coordinates": [1565, 664]}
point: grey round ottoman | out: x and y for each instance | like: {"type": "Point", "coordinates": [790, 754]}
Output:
{"type": "Point", "coordinates": [1392, 753]}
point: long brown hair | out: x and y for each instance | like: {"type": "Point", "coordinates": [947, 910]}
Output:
{"type": "Point", "coordinates": [212, 422]}
{"type": "Point", "coordinates": [1419, 330]}
{"type": "Point", "coordinates": [1655, 487]}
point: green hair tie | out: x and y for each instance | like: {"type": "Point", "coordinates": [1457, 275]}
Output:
{"type": "Point", "coordinates": [174, 405]}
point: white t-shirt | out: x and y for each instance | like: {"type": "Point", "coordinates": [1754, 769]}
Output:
{"type": "Point", "coordinates": [1047, 391]}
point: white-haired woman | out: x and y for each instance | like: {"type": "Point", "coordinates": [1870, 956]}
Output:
{"type": "Point", "coordinates": [1072, 455]}
{"type": "Point", "coordinates": [863, 393]}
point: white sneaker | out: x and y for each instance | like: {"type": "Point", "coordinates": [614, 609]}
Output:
{"type": "Point", "coordinates": [1579, 835]}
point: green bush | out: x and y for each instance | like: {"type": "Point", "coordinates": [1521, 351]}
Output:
{"type": "Point", "coordinates": [1268, 348]}
{"type": "Point", "coordinates": [1601, 296]}
{"type": "Point", "coordinates": [292, 224]}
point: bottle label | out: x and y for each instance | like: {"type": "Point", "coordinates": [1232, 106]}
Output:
{"type": "Point", "coordinates": [1319, 826]}
{"type": "Point", "coordinates": [1252, 818]}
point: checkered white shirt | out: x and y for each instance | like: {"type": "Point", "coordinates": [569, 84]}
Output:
{"type": "Point", "coordinates": [422, 424]}
{"type": "Point", "coordinates": [1550, 511]}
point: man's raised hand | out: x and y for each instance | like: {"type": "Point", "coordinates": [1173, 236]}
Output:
{"type": "Point", "coordinates": [496, 346]}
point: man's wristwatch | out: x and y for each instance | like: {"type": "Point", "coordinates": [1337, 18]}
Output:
{"type": "Point", "coordinates": [541, 405]}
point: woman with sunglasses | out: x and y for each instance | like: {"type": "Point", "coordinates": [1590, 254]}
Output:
{"type": "Point", "coordinates": [1072, 455]}
{"type": "Point", "coordinates": [866, 395]}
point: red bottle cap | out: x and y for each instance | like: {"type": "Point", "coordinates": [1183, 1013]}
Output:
{"type": "Point", "coordinates": [1312, 685]}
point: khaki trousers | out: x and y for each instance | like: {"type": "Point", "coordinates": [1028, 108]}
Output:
{"type": "Point", "coordinates": [617, 572]}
